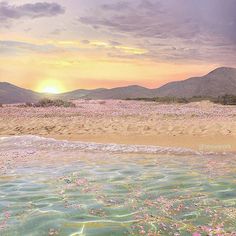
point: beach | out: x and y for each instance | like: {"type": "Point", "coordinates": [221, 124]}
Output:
{"type": "Point", "coordinates": [118, 168]}
{"type": "Point", "coordinates": [117, 118]}
{"type": "Point", "coordinates": [201, 126]}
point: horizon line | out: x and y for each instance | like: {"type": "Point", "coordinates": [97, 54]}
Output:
{"type": "Point", "coordinates": [110, 88]}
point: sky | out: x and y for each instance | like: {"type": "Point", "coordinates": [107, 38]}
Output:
{"type": "Point", "coordinates": [65, 45]}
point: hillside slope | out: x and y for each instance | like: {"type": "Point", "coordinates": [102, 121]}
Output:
{"type": "Point", "coordinates": [10, 93]}
{"type": "Point", "coordinates": [219, 82]}
{"type": "Point", "coordinates": [133, 91]}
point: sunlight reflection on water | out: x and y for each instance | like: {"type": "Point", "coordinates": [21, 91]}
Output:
{"type": "Point", "coordinates": [67, 192]}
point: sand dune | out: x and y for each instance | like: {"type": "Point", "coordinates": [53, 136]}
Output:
{"type": "Point", "coordinates": [201, 125]}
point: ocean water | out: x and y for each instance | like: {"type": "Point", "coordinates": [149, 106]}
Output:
{"type": "Point", "coordinates": [50, 187]}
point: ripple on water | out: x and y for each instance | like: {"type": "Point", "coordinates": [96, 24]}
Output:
{"type": "Point", "coordinates": [118, 194]}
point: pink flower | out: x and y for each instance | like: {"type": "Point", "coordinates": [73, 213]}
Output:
{"type": "Point", "coordinates": [7, 214]}
{"type": "Point", "coordinates": [196, 234]}
{"type": "Point", "coordinates": [81, 182]}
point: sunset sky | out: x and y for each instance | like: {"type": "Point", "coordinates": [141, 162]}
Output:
{"type": "Point", "coordinates": [71, 44]}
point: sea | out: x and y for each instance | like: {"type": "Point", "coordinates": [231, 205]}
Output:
{"type": "Point", "coordinates": [52, 187]}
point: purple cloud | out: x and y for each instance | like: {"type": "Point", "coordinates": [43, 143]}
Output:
{"type": "Point", "coordinates": [198, 29]}
{"type": "Point", "coordinates": [181, 19]}
{"type": "Point", "coordinates": [116, 6]}
{"type": "Point", "coordinates": [34, 10]}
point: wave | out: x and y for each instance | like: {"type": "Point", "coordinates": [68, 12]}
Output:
{"type": "Point", "coordinates": [31, 141]}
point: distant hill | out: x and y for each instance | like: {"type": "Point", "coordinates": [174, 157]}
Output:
{"type": "Point", "coordinates": [133, 91]}
{"type": "Point", "coordinates": [219, 82]}
{"type": "Point", "coordinates": [10, 93]}
{"type": "Point", "coordinates": [78, 94]}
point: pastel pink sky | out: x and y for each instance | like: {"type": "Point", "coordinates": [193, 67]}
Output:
{"type": "Point", "coordinates": [68, 44]}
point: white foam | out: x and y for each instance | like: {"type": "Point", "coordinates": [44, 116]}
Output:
{"type": "Point", "coordinates": [31, 141]}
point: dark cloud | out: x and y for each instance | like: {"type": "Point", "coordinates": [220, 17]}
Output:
{"type": "Point", "coordinates": [195, 25]}
{"type": "Point", "coordinates": [35, 10]}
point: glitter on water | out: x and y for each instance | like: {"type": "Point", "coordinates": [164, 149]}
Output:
{"type": "Point", "coordinates": [50, 187]}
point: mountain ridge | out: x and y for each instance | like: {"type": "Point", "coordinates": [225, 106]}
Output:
{"type": "Point", "coordinates": [216, 83]}
{"type": "Point", "coordinates": [10, 93]}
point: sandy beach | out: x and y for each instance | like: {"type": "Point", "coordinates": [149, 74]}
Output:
{"type": "Point", "coordinates": [201, 126]}
{"type": "Point", "coordinates": [83, 188]}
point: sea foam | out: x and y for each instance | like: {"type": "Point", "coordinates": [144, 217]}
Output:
{"type": "Point", "coordinates": [38, 142]}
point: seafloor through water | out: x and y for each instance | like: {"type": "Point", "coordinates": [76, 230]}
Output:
{"type": "Point", "coordinates": [53, 188]}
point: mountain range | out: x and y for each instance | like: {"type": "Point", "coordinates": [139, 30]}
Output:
{"type": "Point", "coordinates": [10, 93]}
{"type": "Point", "coordinates": [218, 82]}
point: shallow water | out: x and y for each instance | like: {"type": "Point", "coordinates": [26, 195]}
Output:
{"type": "Point", "coordinates": [52, 188]}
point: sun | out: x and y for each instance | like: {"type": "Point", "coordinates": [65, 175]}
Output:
{"type": "Point", "coordinates": [52, 90]}
{"type": "Point", "coordinates": [50, 87]}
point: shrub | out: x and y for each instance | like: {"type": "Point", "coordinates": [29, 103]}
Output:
{"type": "Point", "coordinates": [54, 103]}
{"type": "Point", "coordinates": [49, 103]}
{"type": "Point", "coordinates": [44, 103]}
{"type": "Point", "coordinates": [28, 104]}
{"type": "Point", "coordinates": [226, 100]}
{"type": "Point", "coordinates": [169, 100]}
{"type": "Point", "coordinates": [163, 100]}
{"type": "Point", "coordinates": [182, 100]}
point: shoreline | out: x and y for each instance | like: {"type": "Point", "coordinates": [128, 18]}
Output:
{"type": "Point", "coordinates": [201, 126]}
{"type": "Point", "coordinates": [216, 144]}
{"type": "Point", "coordinates": [207, 143]}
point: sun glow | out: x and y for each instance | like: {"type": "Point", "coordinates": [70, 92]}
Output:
{"type": "Point", "coordinates": [52, 90]}
{"type": "Point", "coordinates": [51, 87]}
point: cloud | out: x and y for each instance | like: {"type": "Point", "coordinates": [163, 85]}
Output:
{"type": "Point", "coordinates": [10, 47]}
{"type": "Point", "coordinates": [192, 27]}
{"type": "Point", "coordinates": [115, 43]}
{"type": "Point", "coordinates": [115, 47]}
{"type": "Point", "coordinates": [163, 19]}
{"type": "Point", "coordinates": [34, 10]}
{"type": "Point", "coordinates": [116, 6]}
{"type": "Point", "coordinates": [57, 31]}
{"type": "Point", "coordinates": [15, 47]}
{"type": "Point", "coordinates": [85, 41]}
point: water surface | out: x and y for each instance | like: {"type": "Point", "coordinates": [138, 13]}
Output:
{"type": "Point", "coordinates": [53, 188]}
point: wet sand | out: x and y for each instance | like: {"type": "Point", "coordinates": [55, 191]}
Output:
{"type": "Point", "coordinates": [201, 126]}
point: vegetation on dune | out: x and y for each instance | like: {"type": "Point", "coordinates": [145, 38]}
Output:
{"type": "Point", "coordinates": [224, 100]}
{"type": "Point", "coordinates": [50, 103]}
{"type": "Point", "coordinates": [170, 100]}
